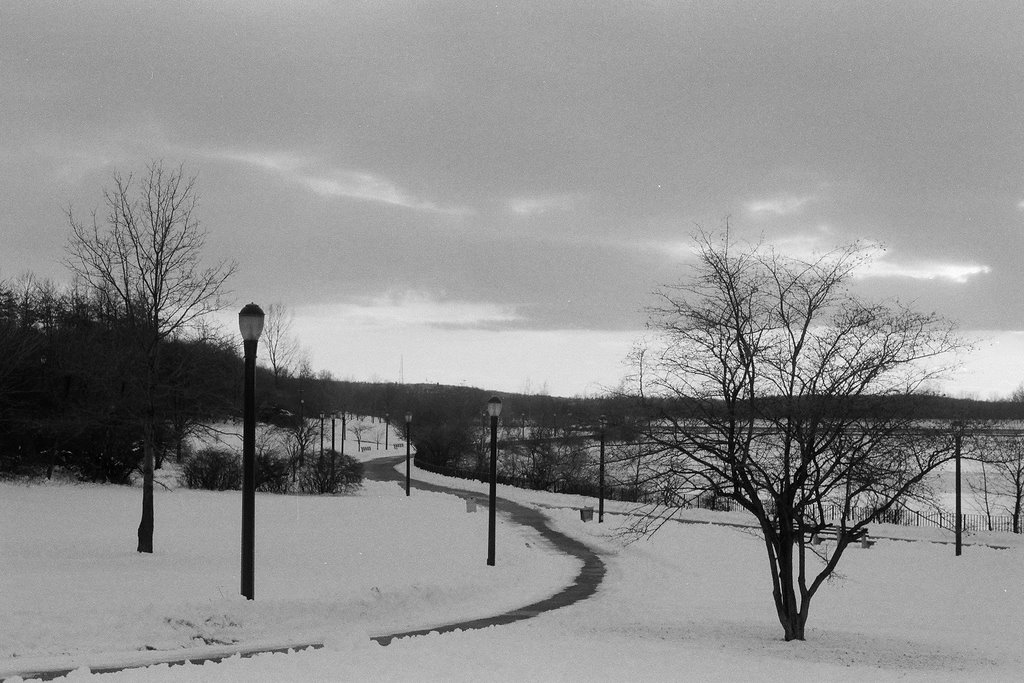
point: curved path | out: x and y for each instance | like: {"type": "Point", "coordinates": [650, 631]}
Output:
{"type": "Point", "coordinates": [383, 469]}
{"type": "Point", "coordinates": [583, 586]}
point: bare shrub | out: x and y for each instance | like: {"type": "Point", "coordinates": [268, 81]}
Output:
{"type": "Point", "coordinates": [214, 469]}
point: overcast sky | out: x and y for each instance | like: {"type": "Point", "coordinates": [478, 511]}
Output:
{"type": "Point", "coordinates": [488, 192]}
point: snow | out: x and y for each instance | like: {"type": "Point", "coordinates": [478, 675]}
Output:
{"type": "Point", "coordinates": [379, 557]}
{"type": "Point", "coordinates": [692, 602]}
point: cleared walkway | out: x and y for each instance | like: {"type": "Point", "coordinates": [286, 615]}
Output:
{"type": "Point", "coordinates": [583, 586]}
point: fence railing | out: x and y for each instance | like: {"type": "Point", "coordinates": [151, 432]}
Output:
{"type": "Point", "coordinates": [935, 518]}
{"type": "Point", "coordinates": [710, 501]}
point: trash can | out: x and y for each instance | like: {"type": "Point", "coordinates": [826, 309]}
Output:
{"type": "Point", "coordinates": [471, 505]}
{"type": "Point", "coordinates": [587, 514]}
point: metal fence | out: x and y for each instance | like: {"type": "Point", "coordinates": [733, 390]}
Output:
{"type": "Point", "coordinates": [935, 518]}
{"type": "Point", "coordinates": [898, 515]}
{"type": "Point", "coordinates": [710, 501]}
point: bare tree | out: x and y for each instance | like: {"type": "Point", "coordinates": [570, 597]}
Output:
{"type": "Point", "coordinates": [978, 483]}
{"type": "Point", "coordinates": [772, 383]}
{"type": "Point", "coordinates": [359, 431]}
{"type": "Point", "coordinates": [549, 458]}
{"type": "Point", "coordinates": [298, 438]}
{"type": "Point", "coordinates": [629, 467]}
{"type": "Point", "coordinates": [1009, 483]}
{"type": "Point", "coordinates": [16, 347]}
{"type": "Point", "coordinates": [144, 261]}
{"type": "Point", "coordinates": [1002, 477]}
{"type": "Point", "coordinates": [283, 351]}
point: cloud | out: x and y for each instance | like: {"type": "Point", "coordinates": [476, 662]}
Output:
{"type": "Point", "coordinates": [413, 309]}
{"type": "Point", "coordinates": [533, 206]}
{"type": "Point", "coordinates": [812, 245]}
{"type": "Point", "coordinates": [675, 250]}
{"type": "Point", "coordinates": [369, 187]}
{"type": "Point", "coordinates": [283, 163]}
{"type": "Point", "coordinates": [784, 205]}
{"type": "Point", "coordinates": [959, 273]}
{"type": "Point", "coordinates": [807, 245]}
{"type": "Point", "coordinates": [339, 182]}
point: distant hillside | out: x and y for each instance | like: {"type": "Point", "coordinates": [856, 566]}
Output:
{"type": "Point", "coordinates": [392, 399]}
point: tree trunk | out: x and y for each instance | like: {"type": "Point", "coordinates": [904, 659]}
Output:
{"type": "Point", "coordinates": [146, 525]}
{"type": "Point", "coordinates": [794, 626]}
{"type": "Point", "coordinates": [791, 614]}
{"type": "Point", "coordinates": [51, 460]}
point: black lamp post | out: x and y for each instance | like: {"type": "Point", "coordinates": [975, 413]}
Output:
{"type": "Point", "coordinates": [408, 466]}
{"type": "Point", "coordinates": [333, 452]}
{"type": "Point", "coordinates": [494, 410]}
{"type": "Point", "coordinates": [250, 324]}
{"type": "Point", "coordinates": [600, 480]}
{"type": "Point", "coordinates": [958, 437]}
{"type": "Point", "coordinates": [302, 429]}
{"type": "Point", "coordinates": [387, 428]}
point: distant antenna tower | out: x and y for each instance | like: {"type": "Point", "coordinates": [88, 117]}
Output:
{"type": "Point", "coordinates": [401, 369]}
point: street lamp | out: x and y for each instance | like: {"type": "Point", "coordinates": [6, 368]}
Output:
{"type": "Point", "coordinates": [333, 452]}
{"type": "Point", "coordinates": [494, 410]}
{"type": "Point", "coordinates": [600, 481]}
{"type": "Point", "coordinates": [333, 417]}
{"type": "Point", "coordinates": [387, 428]}
{"type": "Point", "coordinates": [408, 466]}
{"type": "Point", "coordinates": [958, 437]}
{"type": "Point", "coordinates": [250, 324]}
{"type": "Point", "coordinates": [302, 430]}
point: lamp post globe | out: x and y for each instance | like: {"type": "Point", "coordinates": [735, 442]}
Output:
{"type": "Point", "coordinates": [250, 324]}
{"type": "Point", "coordinates": [494, 406]}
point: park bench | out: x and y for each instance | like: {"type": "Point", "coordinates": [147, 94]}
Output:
{"type": "Point", "coordinates": [831, 532]}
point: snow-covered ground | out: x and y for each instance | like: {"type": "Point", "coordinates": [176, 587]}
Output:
{"type": "Point", "coordinates": [691, 603]}
{"type": "Point", "coordinates": [71, 582]}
